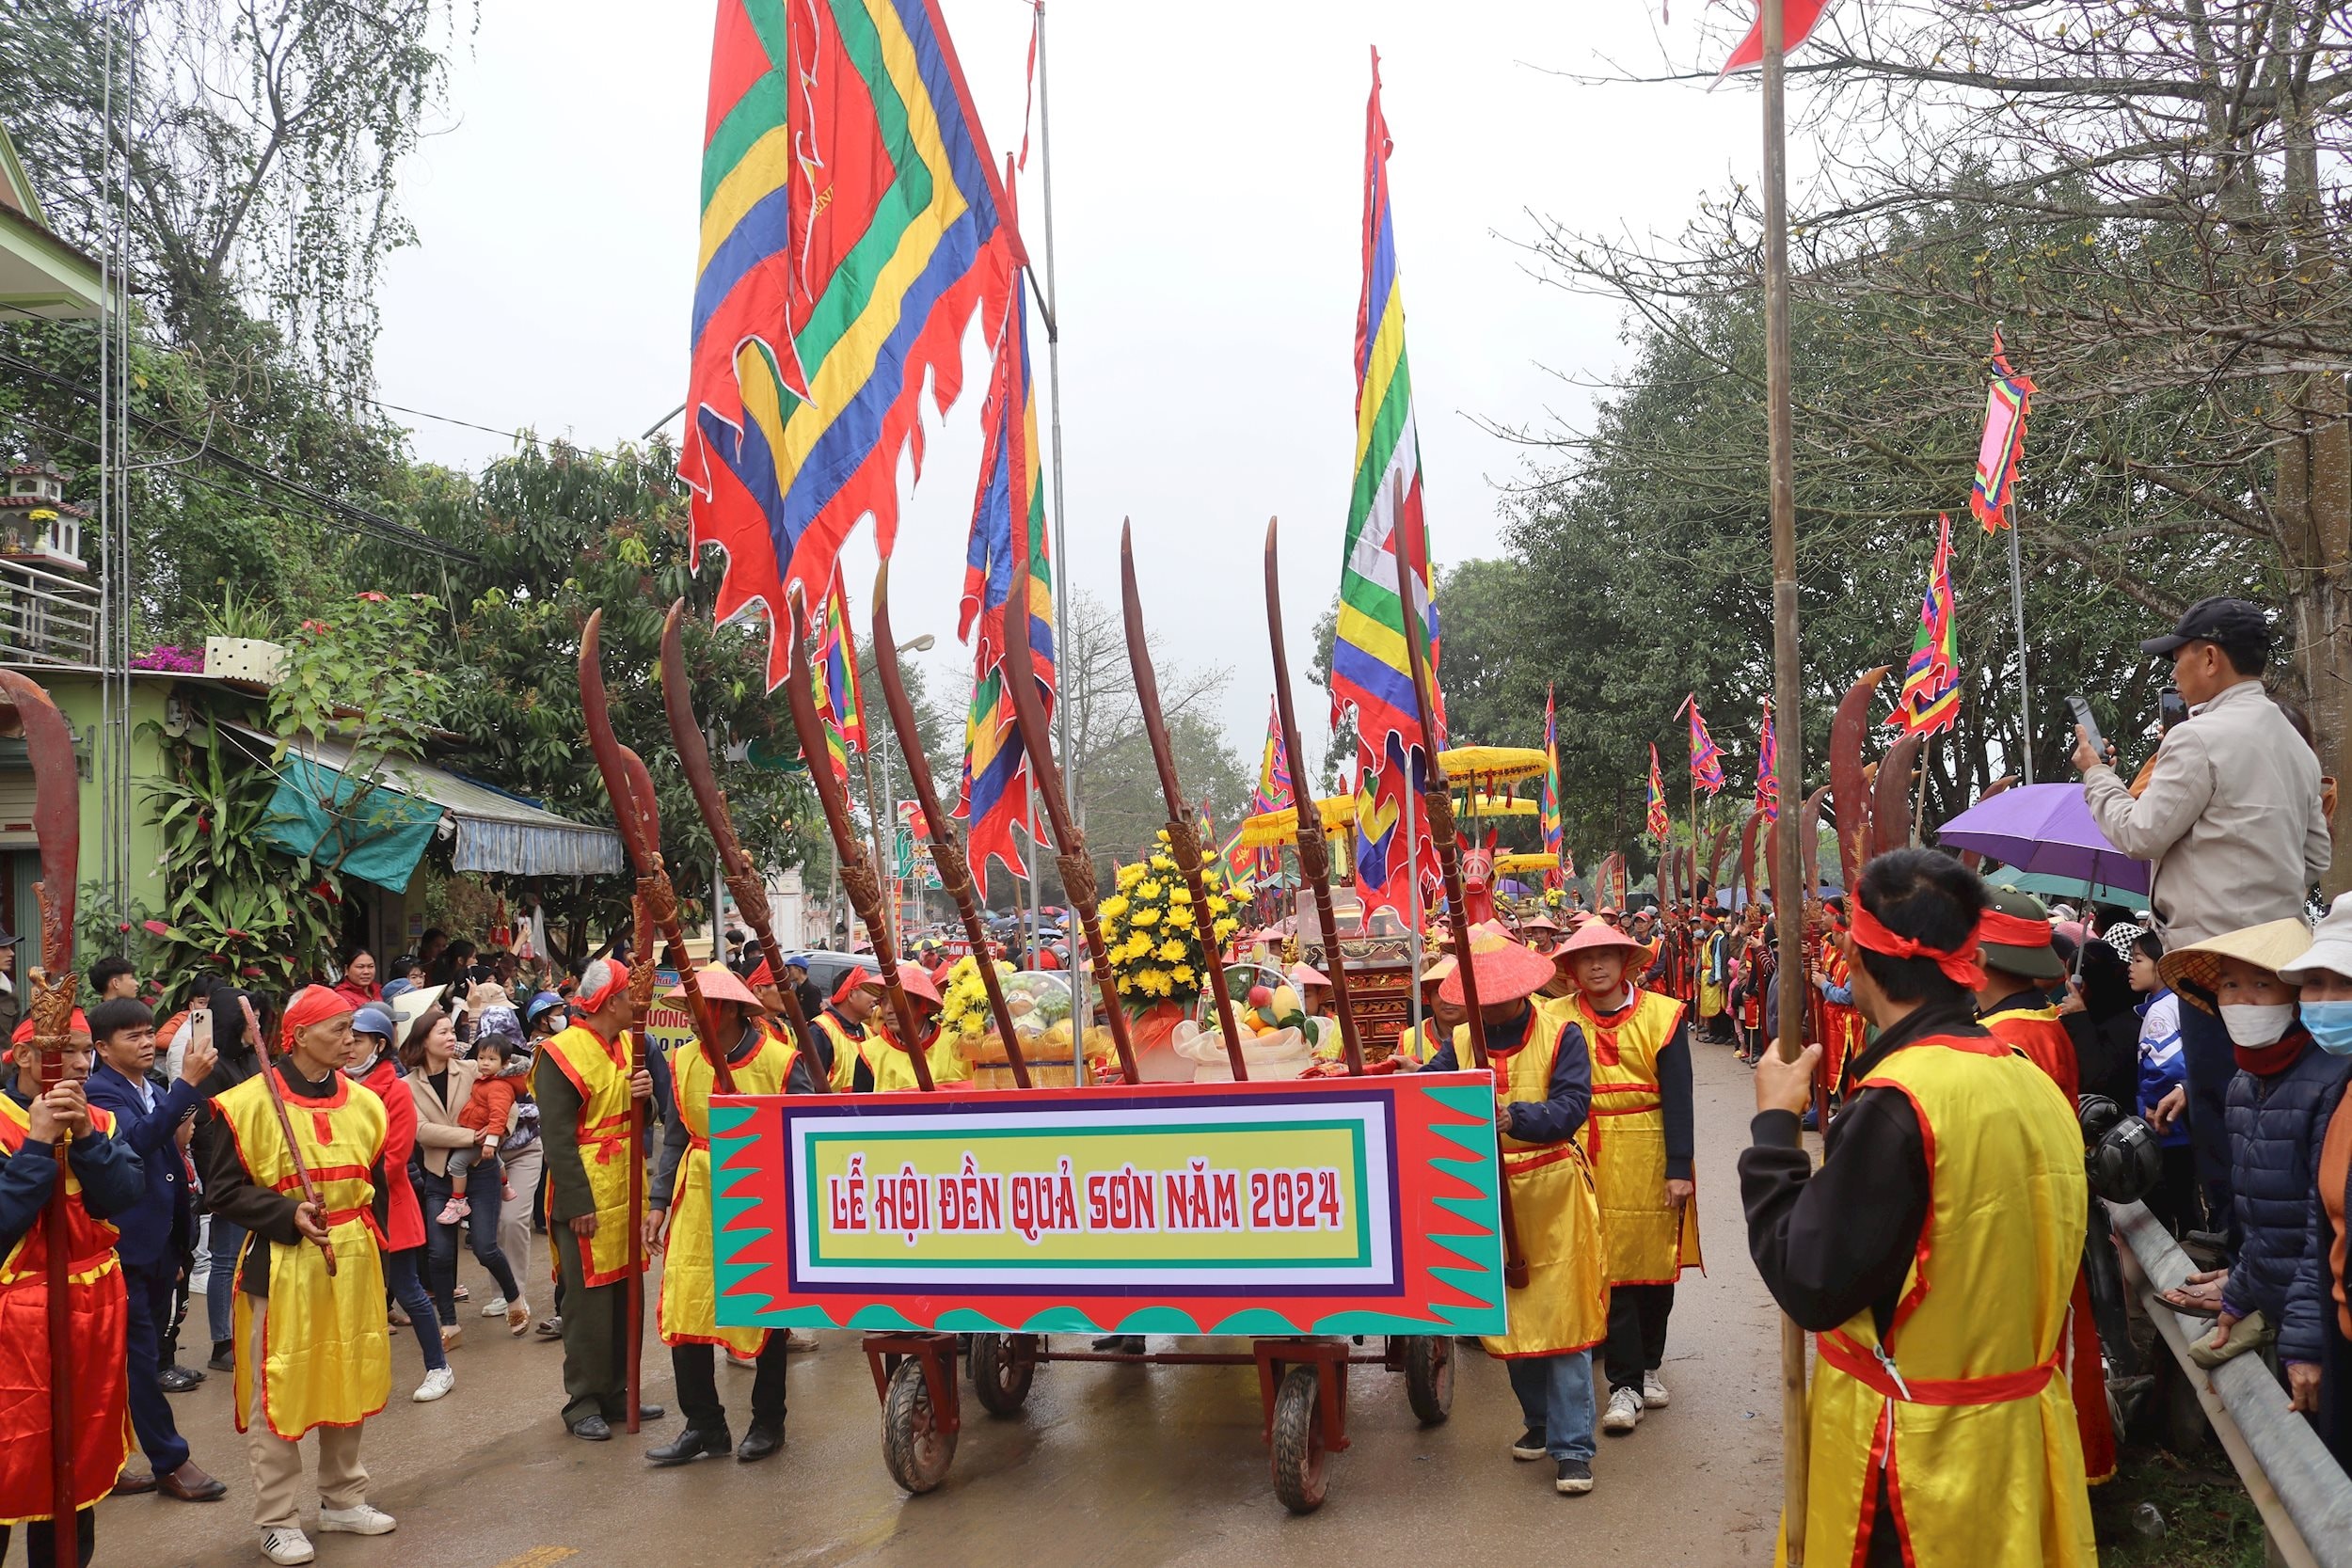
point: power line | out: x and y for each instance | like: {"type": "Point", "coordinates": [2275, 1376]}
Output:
{"type": "Point", "coordinates": [368, 522]}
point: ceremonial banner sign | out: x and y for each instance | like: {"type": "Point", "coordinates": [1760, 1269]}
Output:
{"type": "Point", "coordinates": [1336, 1206]}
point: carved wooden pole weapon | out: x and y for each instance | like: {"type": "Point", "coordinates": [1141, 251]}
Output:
{"type": "Point", "coordinates": [947, 854]}
{"type": "Point", "coordinates": [1314, 855]}
{"type": "Point", "coordinates": [285, 1128]}
{"type": "Point", "coordinates": [633, 1297]}
{"type": "Point", "coordinates": [627, 780]}
{"type": "Point", "coordinates": [743, 877]}
{"type": "Point", "coordinates": [1070, 858]}
{"type": "Point", "coordinates": [1182, 843]}
{"type": "Point", "coordinates": [858, 878]}
{"type": "Point", "coordinates": [24, 706]}
{"type": "Point", "coordinates": [1437, 800]}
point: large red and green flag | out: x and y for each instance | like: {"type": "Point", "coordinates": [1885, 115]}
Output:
{"type": "Point", "coordinates": [837, 657]}
{"type": "Point", "coordinates": [852, 223]}
{"type": "Point", "coordinates": [2006, 404]}
{"type": "Point", "coordinates": [1370, 674]}
{"type": "Point", "coordinates": [1009, 548]}
{"type": "Point", "coordinates": [1548, 803]}
{"type": "Point", "coordinates": [1768, 768]}
{"type": "Point", "coordinates": [1930, 700]}
{"type": "Point", "coordinates": [1654, 820]}
{"type": "Point", "coordinates": [1706, 762]}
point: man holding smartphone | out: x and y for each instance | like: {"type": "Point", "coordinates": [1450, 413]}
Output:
{"type": "Point", "coordinates": [2231, 823]}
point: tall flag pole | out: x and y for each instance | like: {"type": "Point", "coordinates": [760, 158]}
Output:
{"type": "Point", "coordinates": [1008, 564]}
{"type": "Point", "coordinates": [852, 225]}
{"type": "Point", "coordinates": [2006, 401]}
{"type": "Point", "coordinates": [1369, 673]}
{"type": "Point", "coordinates": [1548, 805]}
{"type": "Point", "coordinates": [1774, 38]}
{"type": "Point", "coordinates": [1930, 700]}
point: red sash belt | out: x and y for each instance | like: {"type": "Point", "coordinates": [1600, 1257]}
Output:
{"type": "Point", "coordinates": [1866, 1369]}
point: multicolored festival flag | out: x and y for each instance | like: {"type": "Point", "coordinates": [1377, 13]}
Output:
{"type": "Point", "coordinates": [837, 654]}
{"type": "Point", "coordinates": [1798, 19]}
{"type": "Point", "coordinates": [1930, 700]}
{"type": "Point", "coordinates": [2006, 402]}
{"type": "Point", "coordinates": [852, 223]}
{"type": "Point", "coordinates": [1370, 674]}
{"type": "Point", "coordinates": [1706, 762]}
{"type": "Point", "coordinates": [1654, 820]}
{"type": "Point", "coordinates": [1000, 555]}
{"type": "Point", "coordinates": [1548, 803]}
{"type": "Point", "coordinates": [1273, 793]}
{"type": "Point", "coordinates": [1768, 768]}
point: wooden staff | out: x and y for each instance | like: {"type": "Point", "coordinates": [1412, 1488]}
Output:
{"type": "Point", "coordinates": [1182, 843]}
{"type": "Point", "coordinates": [1437, 797]}
{"type": "Point", "coordinates": [742, 878]}
{"type": "Point", "coordinates": [1314, 858]}
{"type": "Point", "coordinates": [641, 1000]}
{"type": "Point", "coordinates": [1078, 868]}
{"type": "Point", "coordinates": [285, 1128]}
{"type": "Point", "coordinates": [857, 876]}
{"type": "Point", "coordinates": [26, 708]}
{"type": "Point", "coordinates": [631, 785]}
{"type": "Point", "coordinates": [955, 871]}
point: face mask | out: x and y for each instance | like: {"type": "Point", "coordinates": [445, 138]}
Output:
{"type": "Point", "coordinates": [2253, 1027]}
{"type": "Point", "coordinates": [2330, 1024]}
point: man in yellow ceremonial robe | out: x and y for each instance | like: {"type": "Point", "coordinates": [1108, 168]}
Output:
{"type": "Point", "coordinates": [1934, 1252]}
{"type": "Point", "coordinates": [678, 1216]}
{"type": "Point", "coordinates": [581, 1080]}
{"type": "Point", "coordinates": [1543, 1088]}
{"type": "Point", "coordinates": [312, 1347]}
{"type": "Point", "coordinates": [1640, 1140]}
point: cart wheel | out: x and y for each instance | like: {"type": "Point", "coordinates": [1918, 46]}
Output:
{"type": "Point", "coordinates": [1300, 1478]}
{"type": "Point", "coordinates": [1429, 1377]}
{"type": "Point", "coordinates": [1002, 1367]}
{"type": "Point", "coordinates": [915, 1450]}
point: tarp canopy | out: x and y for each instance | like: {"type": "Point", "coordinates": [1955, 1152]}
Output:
{"type": "Point", "coordinates": [381, 822]}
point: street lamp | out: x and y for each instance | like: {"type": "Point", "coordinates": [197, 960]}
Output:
{"type": "Point", "coordinates": [922, 644]}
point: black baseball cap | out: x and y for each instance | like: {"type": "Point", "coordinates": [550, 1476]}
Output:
{"type": "Point", "coordinates": [2219, 619]}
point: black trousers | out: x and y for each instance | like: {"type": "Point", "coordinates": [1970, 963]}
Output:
{"type": "Point", "coordinates": [1637, 1332]}
{"type": "Point", "coordinates": [40, 1541]}
{"type": "Point", "coordinates": [696, 1369]}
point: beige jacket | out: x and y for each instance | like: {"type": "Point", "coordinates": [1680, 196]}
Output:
{"type": "Point", "coordinates": [2231, 819]}
{"type": "Point", "coordinates": [438, 1131]}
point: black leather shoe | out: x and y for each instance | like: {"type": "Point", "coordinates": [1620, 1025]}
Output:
{"type": "Point", "coordinates": [648, 1411]}
{"type": "Point", "coordinates": [593, 1429]}
{"type": "Point", "coordinates": [179, 1380]}
{"type": "Point", "coordinates": [224, 1358]}
{"type": "Point", "coordinates": [131, 1487]}
{"type": "Point", "coordinates": [760, 1443]}
{"type": "Point", "coordinates": [689, 1446]}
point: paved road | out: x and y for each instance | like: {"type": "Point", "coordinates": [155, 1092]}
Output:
{"type": "Point", "coordinates": [1111, 1465]}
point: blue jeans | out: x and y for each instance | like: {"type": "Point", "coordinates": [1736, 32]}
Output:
{"type": "Point", "coordinates": [1557, 1395]}
{"type": "Point", "coordinates": [407, 1287]}
{"type": "Point", "coordinates": [220, 1285]}
{"type": "Point", "coordinates": [482, 1222]}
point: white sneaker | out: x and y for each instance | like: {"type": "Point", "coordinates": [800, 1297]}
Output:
{"type": "Point", "coordinates": [361, 1520]}
{"type": "Point", "coordinates": [1654, 1395]}
{"type": "Point", "coordinates": [1624, 1412]}
{"type": "Point", "coordinates": [438, 1381]}
{"type": "Point", "coordinates": [286, 1544]}
{"type": "Point", "coordinates": [494, 1308]}
{"type": "Point", "coordinates": [798, 1341]}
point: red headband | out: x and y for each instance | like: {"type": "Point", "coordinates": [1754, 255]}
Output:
{"type": "Point", "coordinates": [2013, 931]}
{"type": "Point", "coordinates": [311, 1005]}
{"type": "Point", "coordinates": [1961, 968]}
{"type": "Point", "coordinates": [615, 980]}
{"type": "Point", "coordinates": [79, 1026]}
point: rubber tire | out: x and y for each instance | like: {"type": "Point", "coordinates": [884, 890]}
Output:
{"type": "Point", "coordinates": [916, 1451]}
{"type": "Point", "coordinates": [1429, 1377]}
{"type": "Point", "coordinates": [1301, 1472]}
{"type": "Point", "coordinates": [1001, 1378]}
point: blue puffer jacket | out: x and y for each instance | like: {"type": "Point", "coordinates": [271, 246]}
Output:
{"type": "Point", "coordinates": [2276, 1125]}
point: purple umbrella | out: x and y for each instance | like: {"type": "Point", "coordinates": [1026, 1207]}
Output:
{"type": "Point", "coordinates": [2045, 828]}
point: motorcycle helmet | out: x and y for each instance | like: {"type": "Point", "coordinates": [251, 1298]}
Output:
{"type": "Point", "coordinates": [2120, 1155]}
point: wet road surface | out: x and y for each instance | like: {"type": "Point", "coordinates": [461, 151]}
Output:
{"type": "Point", "coordinates": [1107, 1465]}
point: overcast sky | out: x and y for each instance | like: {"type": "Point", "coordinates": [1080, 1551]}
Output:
{"type": "Point", "coordinates": [1208, 169]}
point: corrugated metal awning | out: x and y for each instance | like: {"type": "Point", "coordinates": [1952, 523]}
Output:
{"type": "Point", "coordinates": [496, 832]}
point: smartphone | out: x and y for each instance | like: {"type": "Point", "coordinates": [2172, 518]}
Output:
{"type": "Point", "coordinates": [2081, 710]}
{"type": "Point", "coordinates": [2171, 708]}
